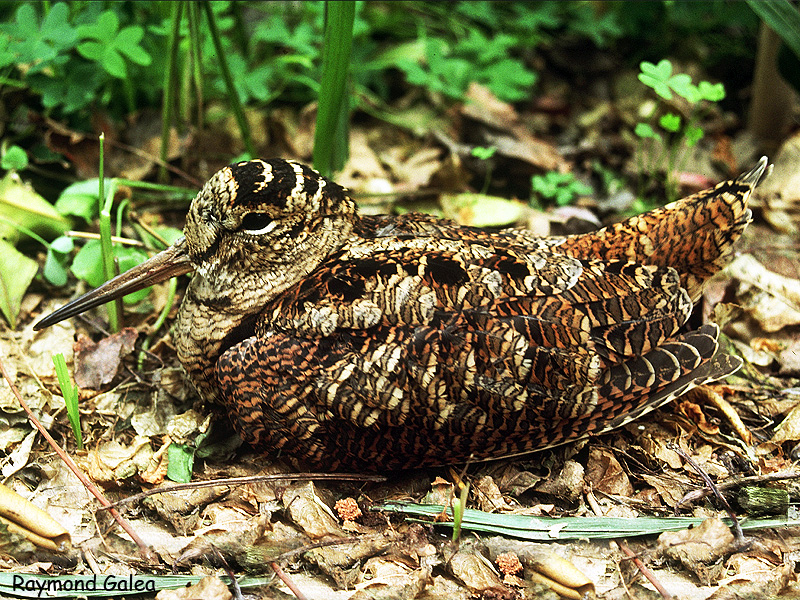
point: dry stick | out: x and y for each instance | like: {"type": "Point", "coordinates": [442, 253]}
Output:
{"type": "Point", "coordinates": [695, 495]}
{"type": "Point", "coordinates": [237, 591]}
{"type": "Point", "coordinates": [736, 527]}
{"type": "Point", "coordinates": [86, 235]}
{"type": "Point", "coordinates": [645, 571]}
{"type": "Point", "coordinates": [243, 480]}
{"type": "Point", "coordinates": [285, 579]}
{"type": "Point", "coordinates": [143, 548]}
{"type": "Point", "coordinates": [649, 575]}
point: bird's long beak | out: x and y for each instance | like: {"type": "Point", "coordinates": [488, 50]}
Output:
{"type": "Point", "coordinates": [169, 263]}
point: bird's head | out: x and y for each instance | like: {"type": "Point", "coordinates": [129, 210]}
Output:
{"type": "Point", "coordinates": [254, 229]}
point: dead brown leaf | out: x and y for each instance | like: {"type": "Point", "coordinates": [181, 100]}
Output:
{"type": "Point", "coordinates": [113, 461]}
{"type": "Point", "coordinates": [391, 579]}
{"type": "Point", "coordinates": [567, 484]}
{"type": "Point", "coordinates": [488, 495]}
{"type": "Point", "coordinates": [605, 473]}
{"type": "Point", "coordinates": [789, 429]}
{"type": "Point", "coordinates": [696, 415]}
{"type": "Point", "coordinates": [475, 571]}
{"type": "Point", "coordinates": [695, 547]}
{"type": "Point", "coordinates": [96, 364]}
{"type": "Point", "coordinates": [507, 132]}
{"type": "Point", "coordinates": [307, 510]}
{"type": "Point", "coordinates": [672, 489]}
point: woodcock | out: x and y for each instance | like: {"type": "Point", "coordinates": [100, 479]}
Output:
{"type": "Point", "coordinates": [347, 341]}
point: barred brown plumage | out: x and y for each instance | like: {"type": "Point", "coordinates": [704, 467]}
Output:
{"type": "Point", "coordinates": [386, 342]}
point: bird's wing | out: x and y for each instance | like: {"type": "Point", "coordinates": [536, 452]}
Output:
{"type": "Point", "coordinates": [483, 351]}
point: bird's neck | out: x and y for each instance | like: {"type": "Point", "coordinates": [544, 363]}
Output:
{"type": "Point", "coordinates": [221, 308]}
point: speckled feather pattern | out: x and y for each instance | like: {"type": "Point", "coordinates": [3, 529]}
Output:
{"type": "Point", "coordinates": [342, 341]}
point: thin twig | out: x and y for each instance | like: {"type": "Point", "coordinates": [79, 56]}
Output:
{"type": "Point", "coordinates": [146, 552]}
{"type": "Point", "coordinates": [237, 590]}
{"type": "Point", "coordinates": [244, 480]}
{"type": "Point", "coordinates": [737, 528]}
{"type": "Point", "coordinates": [87, 235]}
{"type": "Point", "coordinates": [645, 571]}
{"type": "Point", "coordinates": [286, 580]}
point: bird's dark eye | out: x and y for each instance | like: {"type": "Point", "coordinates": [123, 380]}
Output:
{"type": "Point", "coordinates": [256, 223]}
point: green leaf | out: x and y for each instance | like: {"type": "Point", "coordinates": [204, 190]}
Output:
{"type": "Point", "coordinates": [104, 29]}
{"type": "Point", "coordinates": [567, 528]}
{"type": "Point", "coordinates": [114, 64]}
{"type": "Point", "coordinates": [88, 266]}
{"type": "Point", "coordinates": [483, 153]}
{"type": "Point", "coordinates": [693, 135]}
{"type": "Point", "coordinates": [333, 113]}
{"type": "Point", "coordinates": [81, 199]}
{"type": "Point", "coordinates": [14, 159]}
{"type": "Point", "coordinates": [55, 265]}
{"type": "Point", "coordinates": [644, 130]}
{"type": "Point", "coordinates": [180, 462]}
{"type": "Point", "coordinates": [20, 204]}
{"type": "Point", "coordinates": [682, 85]}
{"type": "Point", "coordinates": [92, 50]}
{"type": "Point", "coordinates": [70, 393]}
{"type": "Point", "coordinates": [55, 269]}
{"type": "Point", "coordinates": [62, 245]}
{"type": "Point", "coordinates": [670, 122]}
{"type": "Point", "coordinates": [713, 92]}
{"type": "Point", "coordinates": [57, 28]}
{"type": "Point", "coordinates": [16, 273]}
{"type": "Point", "coordinates": [127, 42]}
{"type": "Point", "coordinates": [657, 77]}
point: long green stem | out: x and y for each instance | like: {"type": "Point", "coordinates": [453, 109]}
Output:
{"type": "Point", "coordinates": [176, 9]}
{"type": "Point", "coordinates": [105, 239]}
{"type": "Point", "coordinates": [195, 46]}
{"type": "Point", "coordinates": [330, 136]}
{"type": "Point", "coordinates": [233, 95]}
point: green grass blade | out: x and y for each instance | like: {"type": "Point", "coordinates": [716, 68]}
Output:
{"type": "Point", "coordinates": [783, 18]}
{"type": "Point", "coordinates": [70, 394]}
{"type": "Point", "coordinates": [330, 136]}
{"type": "Point", "coordinates": [105, 240]}
{"type": "Point", "coordinates": [569, 528]}
{"type": "Point", "coordinates": [170, 85]}
{"type": "Point", "coordinates": [233, 95]}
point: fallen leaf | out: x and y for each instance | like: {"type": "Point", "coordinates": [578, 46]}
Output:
{"type": "Point", "coordinates": [113, 461]}
{"type": "Point", "coordinates": [476, 572]}
{"type": "Point", "coordinates": [605, 473]}
{"type": "Point", "coordinates": [746, 268]}
{"type": "Point", "coordinates": [695, 414]}
{"type": "Point", "coordinates": [96, 364]}
{"type": "Point", "coordinates": [507, 132]}
{"type": "Point", "coordinates": [479, 210]}
{"type": "Point", "coordinates": [789, 429]}
{"type": "Point", "coordinates": [567, 484]}
{"type": "Point", "coordinates": [307, 510]}
{"type": "Point", "coordinates": [488, 495]}
{"type": "Point", "coordinates": [705, 543]}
